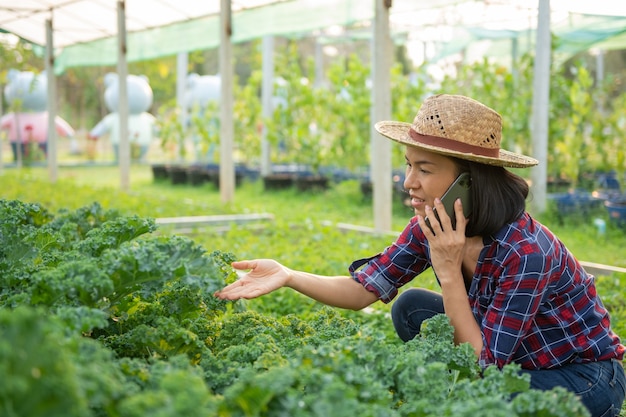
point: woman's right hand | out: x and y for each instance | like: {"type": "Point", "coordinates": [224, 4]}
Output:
{"type": "Point", "coordinates": [265, 276]}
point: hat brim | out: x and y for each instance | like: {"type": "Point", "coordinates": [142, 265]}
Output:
{"type": "Point", "coordinates": [399, 132]}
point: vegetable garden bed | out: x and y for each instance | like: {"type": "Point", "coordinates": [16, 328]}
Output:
{"type": "Point", "coordinates": [100, 317]}
{"type": "Point", "coordinates": [165, 348]}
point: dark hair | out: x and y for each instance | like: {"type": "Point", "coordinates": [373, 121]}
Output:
{"type": "Point", "coordinates": [498, 197]}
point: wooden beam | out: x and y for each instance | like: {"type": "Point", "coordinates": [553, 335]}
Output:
{"type": "Point", "coordinates": [600, 269]}
{"type": "Point", "coordinates": [217, 220]}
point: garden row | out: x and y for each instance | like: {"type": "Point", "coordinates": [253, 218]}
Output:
{"type": "Point", "coordinates": [282, 177]}
{"type": "Point", "coordinates": [101, 317]}
{"type": "Point", "coordinates": [604, 189]}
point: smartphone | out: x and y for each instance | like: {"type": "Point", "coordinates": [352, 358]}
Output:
{"type": "Point", "coordinates": [460, 188]}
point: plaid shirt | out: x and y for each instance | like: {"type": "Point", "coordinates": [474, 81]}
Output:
{"type": "Point", "coordinates": [533, 301]}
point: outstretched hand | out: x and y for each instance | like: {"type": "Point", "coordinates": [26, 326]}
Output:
{"type": "Point", "coordinates": [265, 276]}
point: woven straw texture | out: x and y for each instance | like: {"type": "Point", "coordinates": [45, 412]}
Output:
{"type": "Point", "coordinates": [461, 119]}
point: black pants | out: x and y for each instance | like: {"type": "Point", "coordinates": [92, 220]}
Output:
{"type": "Point", "coordinates": [413, 307]}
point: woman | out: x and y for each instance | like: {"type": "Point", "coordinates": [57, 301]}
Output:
{"type": "Point", "coordinates": [510, 288]}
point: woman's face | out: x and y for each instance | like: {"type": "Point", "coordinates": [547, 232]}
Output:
{"type": "Point", "coordinates": [428, 176]}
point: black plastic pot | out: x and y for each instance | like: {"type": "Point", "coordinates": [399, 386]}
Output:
{"type": "Point", "coordinates": [278, 181]}
{"type": "Point", "coordinates": [159, 172]}
{"type": "Point", "coordinates": [311, 183]}
{"type": "Point", "coordinates": [177, 174]}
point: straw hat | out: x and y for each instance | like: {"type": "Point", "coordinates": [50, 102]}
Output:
{"type": "Point", "coordinates": [456, 126]}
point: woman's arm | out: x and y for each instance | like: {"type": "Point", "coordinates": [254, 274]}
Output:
{"type": "Point", "coordinates": [447, 249]}
{"type": "Point", "coordinates": [457, 308]}
{"type": "Point", "coordinates": [267, 275]}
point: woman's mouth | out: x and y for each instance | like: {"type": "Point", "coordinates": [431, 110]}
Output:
{"type": "Point", "coordinates": [417, 203]}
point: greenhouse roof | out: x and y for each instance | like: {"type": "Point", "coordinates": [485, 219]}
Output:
{"type": "Point", "coordinates": [85, 30]}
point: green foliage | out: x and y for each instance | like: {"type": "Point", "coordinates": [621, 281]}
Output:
{"type": "Point", "coordinates": [173, 388]}
{"type": "Point", "coordinates": [247, 117]}
{"type": "Point", "coordinates": [584, 117]}
{"type": "Point", "coordinates": [611, 287]}
{"type": "Point", "coordinates": [49, 373]}
{"type": "Point", "coordinates": [297, 129]}
{"type": "Point", "coordinates": [614, 133]}
{"type": "Point", "coordinates": [204, 130]}
{"type": "Point", "coordinates": [111, 293]}
{"type": "Point", "coordinates": [574, 148]}
{"type": "Point", "coordinates": [347, 111]}
{"type": "Point", "coordinates": [20, 52]}
{"type": "Point", "coordinates": [366, 375]}
{"type": "Point", "coordinates": [172, 131]}
{"type": "Point", "coordinates": [162, 331]}
{"type": "Point", "coordinates": [111, 270]}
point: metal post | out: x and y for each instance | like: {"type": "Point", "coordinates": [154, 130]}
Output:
{"type": "Point", "coordinates": [227, 167]}
{"type": "Point", "coordinates": [52, 107]}
{"type": "Point", "coordinates": [381, 110]}
{"type": "Point", "coordinates": [267, 92]}
{"type": "Point", "coordinates": [541, 104]}
{"type": "Point", "coordinates": [182, 61]}
{"type": "Point", "coordinates": [122, 72]}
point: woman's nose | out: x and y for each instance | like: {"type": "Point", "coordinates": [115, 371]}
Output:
{"type": "Point", "coordinates": [410, 181]}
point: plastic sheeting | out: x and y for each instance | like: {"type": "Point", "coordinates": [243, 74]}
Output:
{"type": "Point", "coordinates": [80, 21]}
{"type": "Point", "coordinates": [85, 30]}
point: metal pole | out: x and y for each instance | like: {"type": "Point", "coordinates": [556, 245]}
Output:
{"type": "Point", "coordinates": [122, 72]}
{"type": "Point", "coordinates": [52, 108]}
{"type": "Point", "coordinates": [182, 61]}
{"type": "Point", "coordinates": [381, 110]}
{"type": "Point", "coordinates": [541, 104]}
{"type": "Point", "coordinates": [227, 167]}
{"type": "Point", "coordinates": [267, 92]}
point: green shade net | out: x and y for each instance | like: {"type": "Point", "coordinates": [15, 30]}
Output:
{"type": "Point", "coordinates": [281, 19]}
{"type": "Point", "coordinates": [307, 17]}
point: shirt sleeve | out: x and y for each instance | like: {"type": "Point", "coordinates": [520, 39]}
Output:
{"type": "Point", "coordinates": [519, 292]}
{"type": "Point", "coordinates": [398, 264]}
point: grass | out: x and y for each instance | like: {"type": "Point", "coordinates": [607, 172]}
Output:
{"type": "Point", "coordinates": [77, 186]}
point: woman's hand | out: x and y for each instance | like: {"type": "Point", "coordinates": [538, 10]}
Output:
{"type": "Point", "coordinates": [265, 276]}
{"type": "Point", "coordinates": [447, 250]}
{"type": "Point", "coordinates": [446, 244]}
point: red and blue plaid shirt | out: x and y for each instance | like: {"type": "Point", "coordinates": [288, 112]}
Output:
{"type": "Point", "coordinates": [535, 304]}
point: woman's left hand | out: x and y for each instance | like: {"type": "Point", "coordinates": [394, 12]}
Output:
{"type": "Point", "coordinates": [446, 244]}
{"type": "Point", "coordinates": [447, 250]}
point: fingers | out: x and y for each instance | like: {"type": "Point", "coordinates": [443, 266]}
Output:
{"type": "Point", "coordinates": [237, 290]}
{"type": "Point", "coordinates": [243, 265]}
{"type": "Point", "coordinates": [442, 216]}
{"type": "Point", "coordinates": [429, 222]}
{"type": "Point", "coordinates": [246, 286]}
{"type": "Point", "coordinates": [232, 291]}
{"type": "Point", "coordinates": [437, 218]}
{"type": "Point", "coordinates": [461, 221]}
{"type": "Point", "coordinates": [433, 219]}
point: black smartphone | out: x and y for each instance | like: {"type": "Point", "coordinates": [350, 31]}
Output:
{"type": "Point", "coordinates": [460, 188]}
